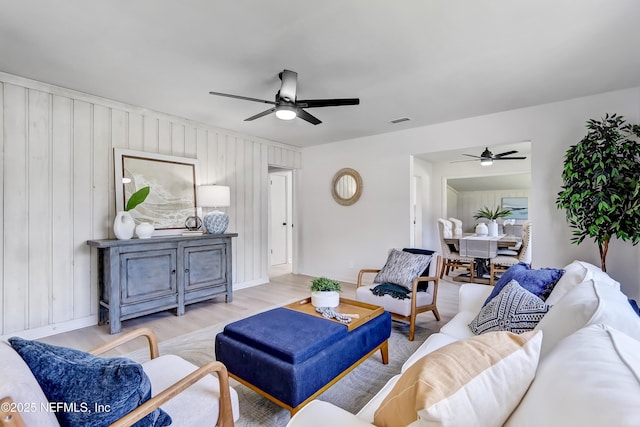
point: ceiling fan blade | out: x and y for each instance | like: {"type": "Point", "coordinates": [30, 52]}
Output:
{"type": "Point", "coordinates": [506, 153]}
{"type": "Point", "coordinates": [264, 113]}
{"type": "Point", "coordinates": [246, 98]}
{"type": "Point", "coordinates": [289, 84]}
{"type": "Point", "coordinates": [471, 155]}
{"type": "Point", "coordinates": [509, 158]}
{"type": "Point", "coordinates": [463, 161]}
{"type": "Point", "coordinates": [338, 102]}
{"type": "Point", "coordinates": [308, 117]}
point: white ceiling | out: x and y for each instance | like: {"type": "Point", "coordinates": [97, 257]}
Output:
{"type": "Point", "coordinates": [429, 60]}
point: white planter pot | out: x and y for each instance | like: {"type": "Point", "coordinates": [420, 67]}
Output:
{"type": "Point", "coordinates": [144, 230]}
{"type": "Point", "coordinates": [123, 225]}
{"type": "Point", "coordinates": [481, 229]}
{"type": "Point", "coordinates": [493, 228]}
{"type": "Point", "coordinates": [325, 299]}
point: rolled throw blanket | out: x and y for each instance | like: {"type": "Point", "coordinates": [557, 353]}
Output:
{"type": "Point", "coordinates": [396, 291]}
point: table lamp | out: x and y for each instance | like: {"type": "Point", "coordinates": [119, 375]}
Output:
{"type": "Point", "coordinates": [214, 196]}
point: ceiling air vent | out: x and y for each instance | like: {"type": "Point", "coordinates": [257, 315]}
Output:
{"type": "Point", "coordinates": [400, 120]}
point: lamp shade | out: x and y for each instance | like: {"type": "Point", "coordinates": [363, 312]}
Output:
{"type": "Point", "coordinates": [214, 196]}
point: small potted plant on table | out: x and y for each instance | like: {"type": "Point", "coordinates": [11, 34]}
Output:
{"type": "Point", "coordinates": [325, 292]}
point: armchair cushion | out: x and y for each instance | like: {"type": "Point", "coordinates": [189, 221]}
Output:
{"type": "Point", "coordinates": [82, 381]}
{"type": "Point", "coordinates": [402, 268]}
{"type": "Point", "coordinates": [539, 282]}
{"type": "Point", "coordinates": [514, 309]}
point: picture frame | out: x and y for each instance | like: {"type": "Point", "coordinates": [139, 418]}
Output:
{"type": "Point", "coordinates": [519, 207]}
{"type": "Point", "coordinates": [172, 182]}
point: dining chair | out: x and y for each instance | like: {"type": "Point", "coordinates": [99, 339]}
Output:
{"type": "Point", "coordinates": [457, 227]}
{"type": "Point", "coordinates": [508, 258]}
{"type": "Point", "coordinates": [451, 258]}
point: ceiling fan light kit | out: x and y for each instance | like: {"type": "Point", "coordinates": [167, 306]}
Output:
{"type": "Point", "coordinates": [287, 106]}
{"type": "Point", "coordinates": [286, 112]}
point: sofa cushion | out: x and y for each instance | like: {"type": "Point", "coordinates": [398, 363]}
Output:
{"type": "Point", "coordinates": [477, 381]}
{"type": "Point", "coordinates": [514, 309]}
{"type": "Point", "coordinates": [87, 381]}
{"type": "Point", "coordinates": [591, 379]}
{"type": "Point", "coordinates": [402, 268]}
{"type": "Point", "coordinates": [539, 282]}
{"type": "Point", "coordinates": [575, 273]}
{"type": "Point", "coordinates": [591, 302]}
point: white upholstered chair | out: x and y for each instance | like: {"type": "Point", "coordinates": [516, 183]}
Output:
{"type": "Point", "coordinates": [456, 227]}
{"type": "Point", "coordinates": [189, 394]}
{"type": "Point", "coordinates": [452, 258]}
{"type": "Point", "coordinates": [406, 309]}
{"type": "Point", "coordinates": [508, 258]}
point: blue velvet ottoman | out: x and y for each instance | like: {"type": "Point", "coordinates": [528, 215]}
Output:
{"type": "Point", "coordinates": [291, 357]}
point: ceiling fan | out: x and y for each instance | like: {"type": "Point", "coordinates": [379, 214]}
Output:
{"type": "Point", "coordinates": [487, 157]}
{"type": "Point", "coordinates": [287, 106]}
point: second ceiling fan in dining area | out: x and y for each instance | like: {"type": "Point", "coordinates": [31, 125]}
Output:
{"type": "Point", "coordinates": [487, 157]}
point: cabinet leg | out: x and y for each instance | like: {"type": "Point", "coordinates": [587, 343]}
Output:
{"type": "Point", "coordinates": [114, 326]}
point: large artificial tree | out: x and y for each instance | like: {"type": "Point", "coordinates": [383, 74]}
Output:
{"type": "Point", "coordinates": [601, 192]}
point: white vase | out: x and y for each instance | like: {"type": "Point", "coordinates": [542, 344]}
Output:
{"type": "Point", "coordinates": [481, 229]}
{"type": "Point", "coordinates": [493, 228]}
{"type": "Point", "coordinates": [325, 299]}
{"type": "Point", "coordinates": [144, 230]}
{"type": "Point", "coordinates": [123, 225]}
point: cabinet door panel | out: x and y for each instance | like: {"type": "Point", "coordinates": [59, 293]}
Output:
{"type": "Point", "coordinates": [205, 266]}
{"type": "Point", "coordinates": [148, 275]}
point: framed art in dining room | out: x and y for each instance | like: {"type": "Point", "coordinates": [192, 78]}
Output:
{"type": "Point", "coordinates": [172, 182]}
{"type": "Point", "coordinates": [519, 207]}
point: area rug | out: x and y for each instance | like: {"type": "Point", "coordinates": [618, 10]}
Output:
{"type": "Point", "coordinates": [351, 393]}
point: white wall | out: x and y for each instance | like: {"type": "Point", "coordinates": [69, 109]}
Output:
{"type": "Point", "coordinates": [58, 192]}
{"type": "Point", "coordinates": [339, 240]}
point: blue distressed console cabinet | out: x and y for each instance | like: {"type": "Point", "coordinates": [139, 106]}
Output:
{"type": "Point", "coordinates": [142, 276]}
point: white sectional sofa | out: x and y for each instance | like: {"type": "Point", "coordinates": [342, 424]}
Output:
{"type": "Point", "coordinates": [587, 374]}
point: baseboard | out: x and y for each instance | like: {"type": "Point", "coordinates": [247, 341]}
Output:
{"type": "Point", "coordinates": [53, 329]}
{"type": "Point", "coordinates": [250, 283]}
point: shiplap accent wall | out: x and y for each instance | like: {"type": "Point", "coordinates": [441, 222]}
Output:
{"type": "Point", "coordinates": [470, 201]}
{"type": "Point", "coordinates": [58, 192]}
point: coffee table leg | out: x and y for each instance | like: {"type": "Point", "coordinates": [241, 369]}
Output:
{"type": "Point", "coordinates": [384, 352]}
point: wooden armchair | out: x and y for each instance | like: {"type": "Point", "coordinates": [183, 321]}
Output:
{"type": "Point", "coordinates": [406, 309]}
{"type": "Point", "coordinates": [190, 395]}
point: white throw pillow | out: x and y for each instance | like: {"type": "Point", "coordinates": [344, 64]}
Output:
{"type": "Point", "coordinates": [587, 304]}
{"type": "Point", "coordinates": [578, 272]}
{"type": "Point", "coordinates": [574, 274]}
{"type": "Point", "coordinates": [591, 379]}
{"type": "Point", "coordinates": [474, 382]}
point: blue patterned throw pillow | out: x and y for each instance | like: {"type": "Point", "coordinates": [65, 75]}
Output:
{"type": "Point", "coordinates": [88, 390]}
{"type": "Point", "coordinates": [514, 309]}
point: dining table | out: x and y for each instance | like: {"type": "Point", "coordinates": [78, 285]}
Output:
{"type": "Point", "coordinates": [482, 248]}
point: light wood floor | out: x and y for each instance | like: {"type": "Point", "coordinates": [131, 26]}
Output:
{"type": "Point", "coordinates": [282, 288]}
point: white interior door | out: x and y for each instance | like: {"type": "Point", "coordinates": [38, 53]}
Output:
{"type": "Point", "coordinates": [417, 212]}
{"type": "Point", "coordinates": [279, 219]}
